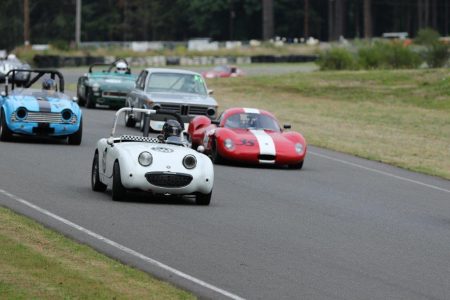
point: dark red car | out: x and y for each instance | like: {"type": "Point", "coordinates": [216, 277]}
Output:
{"type": "Point", "coordinates": [223, 71]}
{"type": "Point", "coordinates": [248, 135]}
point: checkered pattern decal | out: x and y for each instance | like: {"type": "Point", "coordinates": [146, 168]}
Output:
{"type": "Point", "coordinates": [134, 138]}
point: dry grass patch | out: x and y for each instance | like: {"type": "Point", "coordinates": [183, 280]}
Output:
{"type": "Point", "coordinates": [38, 263]}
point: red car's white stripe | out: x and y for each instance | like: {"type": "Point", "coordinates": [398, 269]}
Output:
{"type": "Point", "coordinates": [265, 141]}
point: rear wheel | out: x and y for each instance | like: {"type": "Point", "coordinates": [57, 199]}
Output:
{"type": "Point", "coordinates": [297, 166]}
{"type": "Point", "coordinates": [118, 190]}
{"type": "Point", "coordinates": [203, 199]}
{"type": "Point", "coordinates": [75, 139]}
{"type": "Point", "coordinates": [5, 132]}
{"type": "Point", "coordinates": [96, 184]}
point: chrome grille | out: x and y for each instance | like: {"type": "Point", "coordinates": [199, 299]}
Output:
{"type": "Point", "coordinates": [41, 117]}
{"type": "Point", "coordinates": [197, 110]}
{"type": "Point", "coordinates": [185, 109]}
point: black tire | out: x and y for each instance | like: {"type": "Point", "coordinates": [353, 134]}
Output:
{"type": "Point", "coordinates": [129, 121]}
{"type": "Point", "coordinates": [215, 155]}
{"type": "Point", "coordinates": [203, 199]}
{"type": "Point", "coordinates": [90, 103]}
{"type": "Point", "coordinates": [118, 190]}
{"type": "Point", "coordinates": [297, 166]}
{"type": "Point", "coordinates": [96, 184]}
{"type": "Point", "coordinates": [81, 98]}
{"type": "Point", "coordinates": [75, 138]}
{"type": "Point", "coordinates": [5, 133]}
{"type": "Point", "coordinates": [141, 123]}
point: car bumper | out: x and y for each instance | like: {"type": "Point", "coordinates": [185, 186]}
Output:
{"type": "Point", "coordinates": [43, 129]}
{"type": "Point", "coordinates": [256, 158]}
{"type": "Point", "coordinates": [202, 182]}
{"type": "Point", "coordinates": [110, 101]}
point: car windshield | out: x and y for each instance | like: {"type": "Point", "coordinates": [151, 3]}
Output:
{"type": "Point", "coordinates": [252, 121]}
{"type": "Point", "coordinates": [176, 82]}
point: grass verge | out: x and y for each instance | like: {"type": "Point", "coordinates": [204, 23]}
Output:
{"type": "Point", "coordinates": [400, 117]}
{"type": "Point", "coordinates": [37, 263]}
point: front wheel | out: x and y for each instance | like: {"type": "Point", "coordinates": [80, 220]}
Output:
{"type": "Point", "coordinates": [215, 155]}
{"type": "Point", "coordinates": [203, 199]}
{"type": "Point", "coordinates": [90, 103]}
{"type": "Point", "coordinates": [75, 138]}
{"type": "Point", "coordinates": [297, 166]}
{"type": "Point", "coordinates": [96, 184]}
{"type": "Point", "coordinates": [118, 190]}
{"type": "Point", "coordinates": [5, 132]}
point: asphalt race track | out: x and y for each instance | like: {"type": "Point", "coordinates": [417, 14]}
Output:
{"type": "Point", "coordinates": [341, 228]}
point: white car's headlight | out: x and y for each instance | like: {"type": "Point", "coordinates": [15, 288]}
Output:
{"type": "Point", "coordinates": [145, 159]}
{"type": "Point", "coordinates": [95, 87]}
{"type": "Point", "coordinates": [228, 143]}
{"type": "Point", "coordinates": [298, 148]}
{"type": "Point", "coordinates": [189, 161]}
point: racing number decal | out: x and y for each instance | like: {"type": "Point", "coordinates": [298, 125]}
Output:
{"type": "Point", "coordinates": [245, 142]}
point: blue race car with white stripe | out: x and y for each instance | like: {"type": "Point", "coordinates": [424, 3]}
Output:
{"type": "Point", "coordinates": [39, 112]}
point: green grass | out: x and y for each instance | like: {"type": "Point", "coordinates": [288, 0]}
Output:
{"type": "Point", "coordinates": [37, 263]}
{"type": "Point", "coordinates": [397, 117]}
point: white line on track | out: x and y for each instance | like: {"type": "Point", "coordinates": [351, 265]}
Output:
{"type": "Point", "coordinates": [123, 248]}
{"type": "Point", "coordinates": [380, 172]}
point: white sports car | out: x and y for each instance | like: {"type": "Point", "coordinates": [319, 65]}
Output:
{"type": "Point", "coordinates": [149, 164]}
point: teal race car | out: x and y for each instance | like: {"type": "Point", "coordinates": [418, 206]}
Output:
{"type": "Point", "coordinates": [108, 86]}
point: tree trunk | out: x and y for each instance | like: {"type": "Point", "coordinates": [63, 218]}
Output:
{"type": "Point", "coordinates": [367, 19]}
{"type": "Point", "coordinates": [331, 31]}
{"type": "Point", "coordinates": [26, 22]}
{"type": "Point", "coordinates": [339, 12]}
{"type": "Point", "coordinates": [268, 23]}
{"type": "Point", "coordinates": [306, 20]}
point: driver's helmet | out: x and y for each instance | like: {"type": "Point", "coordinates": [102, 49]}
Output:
{"type": "Point", "coordinates": [121, 67]}
{"type": "Point", "coordinates": [171, 128]}
{"type": "Point", "coordinates": [48, 84]}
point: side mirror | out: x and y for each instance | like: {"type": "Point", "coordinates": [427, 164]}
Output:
{"type": "Point", "coordinates": [287, 126]}
{"type": "Point", "coordinates": [160, 137]}
{"type": "Point", "coordinates": [201, 149]}
{"type": "Point", "coordinates": [210, 92]}
{"type": "Point", "coordinates": [110, 141]}
{"type": "Point", "coordinates": [75, 99]}
{"type": "Point", "coordinates": [3, 94]}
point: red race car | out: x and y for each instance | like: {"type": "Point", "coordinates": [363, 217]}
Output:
{"type": "Point", "coordinates": [248, 135]}
{"type": "Point", "coordinates": [223, 71]}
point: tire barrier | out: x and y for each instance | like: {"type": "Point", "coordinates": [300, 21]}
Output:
{"type": "Point", "coordinates": [55, 61]}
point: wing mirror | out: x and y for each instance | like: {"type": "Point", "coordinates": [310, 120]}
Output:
{"type": "Point", "coordinates": [210, 92]}
{"type": "Point", "coordinates": [201, 149]}
{"type": "Point", "coordinates": [75, 99]}
{"type": "Point", "coordinates": [3, 94]}
{"type": "Point", "coordinates": [287, 126]}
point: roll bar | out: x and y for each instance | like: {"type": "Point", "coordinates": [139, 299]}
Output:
{"type": "Point", "coordinates": [38, 74]}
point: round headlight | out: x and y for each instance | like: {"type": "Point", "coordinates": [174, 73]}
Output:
{"type": "Point", "coordinates": [95, 87]}
{"type": "Point", "coordinates": [211, 111]}
{"type": "Point", "coordinates": [298, 148]}
{"type": "Point", "coordinates": [21, 113]}
{"type": "Point", "coordinates": [66, 114]}
{"type": "Point", "coordinates": [228, 143]}
{"type": "Point", "coordinates": [189, 161]}
{"type": "Point", "coordinates": [145, 159]}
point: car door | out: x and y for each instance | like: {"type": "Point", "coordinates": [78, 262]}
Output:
{"type": "Point", "coordinates": [137, 96]}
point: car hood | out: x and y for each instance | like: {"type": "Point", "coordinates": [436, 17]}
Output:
{"type": "Point", "coordinates": [254, 135]}
{"type": "Point", "coordinates": [182, 98]}
{"type": "Point", "coordinates": [41, 103]}
{"type": "Point", "coordinates": [112, 83]}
